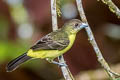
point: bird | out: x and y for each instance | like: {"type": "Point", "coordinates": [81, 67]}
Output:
{"type": "Point", "coordinates": [51, 45]}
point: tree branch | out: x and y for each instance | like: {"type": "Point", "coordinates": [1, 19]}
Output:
{"type": "Point", "coordinates": [101, 60]}
{"type": "Point", "coordinates": [113, 8]}
{"type": "Point", "coordinates": [65, 70]}
{"type": "Point", "coordinates": [97, 74]}
{"type": "Point", "coordinates": [54, 15]}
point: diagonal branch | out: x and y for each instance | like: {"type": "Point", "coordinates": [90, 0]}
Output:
{"type": "Point", "coordinates": [113, 8]}
{"type": "Point", "coordinates": [101, 60]}
{"type": "Point", "coordinates": [65, 70]}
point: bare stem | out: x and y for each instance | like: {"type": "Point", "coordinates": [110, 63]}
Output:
{"type": "Point", "coordinates": [113, 8]}
{"type": "Point", "coordinates": [54, 15]}
{"type": "Point", "coordinates": [93, 42]}
{"type": "Point", "coordinates": [65, 70]}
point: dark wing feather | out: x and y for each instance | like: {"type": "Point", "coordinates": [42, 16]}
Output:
{"type": "Point", "coordinates": [52, 41]}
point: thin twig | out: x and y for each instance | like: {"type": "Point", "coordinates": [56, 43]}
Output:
{"type": "Point", "coordinates": [93, 42]}
{"type": "Point", "coordinates": [54, 15]}
{"type": "Point", "coordinates": [97, 74]}
{"type": "Point", "coordinates": [113, 8]}
{"type": "Point", "coordinates": [65, 70]}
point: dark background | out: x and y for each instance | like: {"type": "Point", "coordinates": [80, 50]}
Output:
{"type": "Point", "coordinates": [81, 57]}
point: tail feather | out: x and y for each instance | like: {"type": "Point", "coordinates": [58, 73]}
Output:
{"type": "Point", "coordinates": [16, 62]}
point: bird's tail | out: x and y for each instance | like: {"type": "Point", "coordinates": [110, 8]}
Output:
{"type": "Point", "coordinates": [16, 62]}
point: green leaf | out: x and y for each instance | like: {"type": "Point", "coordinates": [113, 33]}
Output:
{"type": "Point", "coordinates": [117, 79]}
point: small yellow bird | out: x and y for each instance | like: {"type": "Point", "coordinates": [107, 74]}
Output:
{"type": "Point", "coordinates": [52, 45]}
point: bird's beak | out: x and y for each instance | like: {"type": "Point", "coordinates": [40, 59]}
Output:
{"type": "Point", "coordinates": [83, 25]}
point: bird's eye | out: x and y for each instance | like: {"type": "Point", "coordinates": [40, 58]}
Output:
{"type": "Point", "coordinates": [76, 24]}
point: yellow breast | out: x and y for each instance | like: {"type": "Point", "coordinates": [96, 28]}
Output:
{"type": "Point", "coordinates": [72, 39]}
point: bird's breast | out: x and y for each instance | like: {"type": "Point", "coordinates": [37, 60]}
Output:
{"type": "Point", "coordinates": [71, 41]}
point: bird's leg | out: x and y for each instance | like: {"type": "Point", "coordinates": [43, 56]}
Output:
{"type": "Point", "coordinates": [55, 62]}
{"type": "Point", "coordinates": [60, 64]}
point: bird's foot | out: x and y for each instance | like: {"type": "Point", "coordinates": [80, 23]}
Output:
{"type": "Point", "coordinates": [60, 64]}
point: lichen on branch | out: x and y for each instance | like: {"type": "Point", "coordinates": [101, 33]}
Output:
{"type": "Point", "coordinates": [113, 8]}
{"type": "Point", "coordinates": [58, 7]}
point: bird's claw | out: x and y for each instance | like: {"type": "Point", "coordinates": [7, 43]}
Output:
{"type": "Point", "coordinates": [62, 64]}
{"type": "Point", "coordinates": [59, 64]}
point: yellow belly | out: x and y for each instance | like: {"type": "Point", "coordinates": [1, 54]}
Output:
{"type": "Point", "coordinates": [43, 53]}
{"type": "Point", "coordinates": [51, 53]}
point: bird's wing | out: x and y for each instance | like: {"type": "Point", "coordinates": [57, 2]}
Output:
{"type": "Point", "coordinates": [52, 41]}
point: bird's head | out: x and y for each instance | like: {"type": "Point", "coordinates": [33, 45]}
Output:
{"type": "Point", "coordinates": [73, 26]}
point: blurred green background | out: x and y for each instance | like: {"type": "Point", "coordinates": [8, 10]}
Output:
{"type": "Point", "coordinates": [23, 22]}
